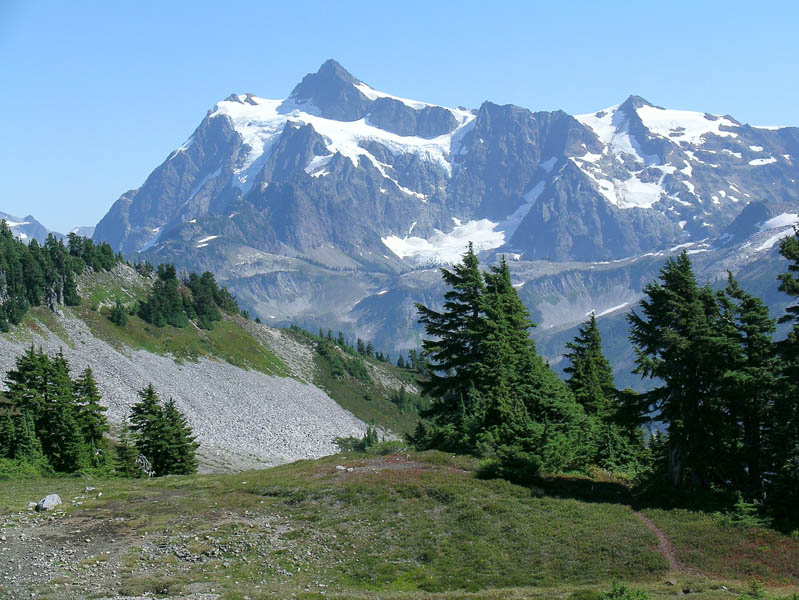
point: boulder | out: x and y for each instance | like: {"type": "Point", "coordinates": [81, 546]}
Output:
{"type": "Point", "coordinates": [48, 502]}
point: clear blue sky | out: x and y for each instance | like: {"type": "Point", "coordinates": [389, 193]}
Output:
{"type": "Point", "coordinates": [94, 95]}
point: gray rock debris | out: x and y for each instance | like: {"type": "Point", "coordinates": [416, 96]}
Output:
{"type": "Point", "coordinates": [243, 419]}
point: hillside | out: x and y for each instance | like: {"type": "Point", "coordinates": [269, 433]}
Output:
{"type": "Point", "coordinates": [250, 392]}
{"type": "Point", "coordinates": [408, 525]}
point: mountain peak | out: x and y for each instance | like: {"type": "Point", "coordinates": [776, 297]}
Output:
{"type": "Point", "coordinates": [634, 102]}
{"type": "Point", "coordinates": [332, 91]}
{"type": "Point", "coordinates": [332, 68]}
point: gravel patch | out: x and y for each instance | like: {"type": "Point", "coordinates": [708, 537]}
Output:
{"type": "Point", "coordinates": [299, 357]}
{"type": "Point", "coordinates": [243, 419]}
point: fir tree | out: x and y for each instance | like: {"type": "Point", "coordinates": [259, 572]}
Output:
{"type": "Point", "coordinates": [58, 426]}
{"type": "Point", "coordinates": [91, 415]}
{"type": "Point", "coordinates": [148, 424]}
{"type": "Point", "coordinates": [27, 445]}
{"type": "Point", "coordinates": [8, 436]}
{"type": "Point", "coordinates": [785, 436]}
{"type": "Point", "coordinates": [590, 374]}
{"type": "Point", "coordinates": [119, 316]}
{"type": "Point", "coordinates": [677, 341]}
{"type": "Point", "coordinates": [180, 443]}
{"type": "Point", "coordinates": [126, 454]}
{"type": "Point", "coordinates": [454, 346]}
{"type": "Point", "coordinates": [162, 435]}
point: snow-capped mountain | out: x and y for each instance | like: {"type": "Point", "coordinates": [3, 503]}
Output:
{"type": "Point", "coordinates": [28, 228]}
{"type": "Point", "coordinates": [86, 231]}
{"type": "Point", "coordinates": [322, 207]}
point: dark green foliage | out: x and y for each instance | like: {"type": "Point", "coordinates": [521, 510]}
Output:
{"type": "Point", "coordinates": [162, 435]}
{"type": "Point", "coordinates": [354, 444]}
{"type": "Point", "coordinates": [342, 363]}
{"type": "Point", "coordinates": [677, 341]}
{"type": "Point", "coordinates": [125, 462]}
{"type": "Point", "coordinates": [54, 417]}
{"type": "Point", "coordinates": [590, 374]}
{"type": "Point", "coordinates": [119, 314]}
{"type": "Point", "coordinates": [180, 442]}
{"type": "Point", "coordinates": [92, 419]}
{"type": "Point", "coordinates": [619, 591]}
{"type": "Point", "coordinates": [785, 486]}
{"type": "Point", "coordinates": [612, 441]}
{"type": "Point", "coordinates": [492, 395]}
{"type": "Point", "coordinates": [408, 402]}
{"type": "Point", "coordinates": [164, 304]}
{"type": "Point", "coordinates": [198, 298]}
{"type": "Point", "coordinates": [729, 393]}
{"type": "Point", "coordinates": [33, 274]}
{"type": "Point", "coordinates": [8, 436]}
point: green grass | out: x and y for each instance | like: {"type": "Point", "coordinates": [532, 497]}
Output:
{"type": "Point", "coordinates": [227, 341]}
{"type": "Point", "coordinates": [418, 525]}
{"type": "Point", "coordinates": [104, 288]}
{"type": "Point", "coordinates": [366, 400]}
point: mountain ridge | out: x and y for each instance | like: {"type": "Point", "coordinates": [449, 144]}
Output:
{"type": "Point", "coordinates": [281, 197]}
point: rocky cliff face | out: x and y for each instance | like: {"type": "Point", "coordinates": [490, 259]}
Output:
{"type": "Point", "coordinates": [325, 208]}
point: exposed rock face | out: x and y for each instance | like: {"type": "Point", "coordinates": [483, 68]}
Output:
{"type": "Point", "coordinates": [309, 207]}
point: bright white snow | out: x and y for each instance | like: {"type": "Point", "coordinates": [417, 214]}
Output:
{"type": "Point", "coordinates": [260, 123]}
{"type": "Point", "coordinates": [782, 220]}
{"type": "Point", "coordinates": [611, 309]}
{"type": "Point", "coordinates": [759, 162]}
{"type": "Point", "coordinates": [446, 248]}
{"type": "Point", "coordinates": [684, 125]}
{"type": "Point", "coordinates": [774, 239]}
{"type": "Point", "coordinates": [612, 128]}
{"type": "Point", "coordinates": [202, 243]}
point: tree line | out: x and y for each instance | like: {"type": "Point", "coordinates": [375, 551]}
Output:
{"type": "Point", "coordinates": [727, 394]}
{"type": "Point", "coordinates": [51, 422]}
{"type": "Point", "coordinates": [35, 275]}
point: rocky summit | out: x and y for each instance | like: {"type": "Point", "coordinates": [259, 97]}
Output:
{"type": "Point", "coordinates": [330, 207]}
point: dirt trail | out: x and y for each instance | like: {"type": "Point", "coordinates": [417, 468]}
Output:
{"type": "Point", "coordinates": [665, 547]}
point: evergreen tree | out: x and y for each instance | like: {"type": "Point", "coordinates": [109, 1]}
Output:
{"type": "Point", "coordinates": [149, 426]}
{"type": "Point", "coordinates": [162, 435]}
{"type": "Point", "coordinates": [126, 454]}
{"type": "Point", "coordinates": [8, 436]}
{"type": "Point", "coordinates": [454, 346]}
{"type": "Point", "coordinates": [752, 383]}
{"type": "Point", "coordinates": [59, 426]}
{"type": "Point", "coordinates": [91, 415]}
{"type": "Point", "coordinates": [180, 444]}
{"type": "Point", "coordinates": [27, 445]}
{"type": "Point", "coordinates": [785, 435]}
{"type": "Point", "coordinates": [590, 374]}
{"type": "Point", "coordinates": [677, 340]}
{"type": "Point", "coordinates": [492, 394]}
{"type": "Point", "coordinates": [119, 316]}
